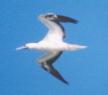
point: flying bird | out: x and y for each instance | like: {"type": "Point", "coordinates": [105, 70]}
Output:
{"type": "Point", "coordinates": [53, 43]}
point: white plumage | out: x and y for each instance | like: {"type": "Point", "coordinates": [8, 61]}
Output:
{"type": "Point", "coordinates": [53, 42]}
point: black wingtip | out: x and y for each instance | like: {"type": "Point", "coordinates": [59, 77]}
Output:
{"type": "Point", "coordinates": [62, 79]}
{"type": "Point", "coordinates": [75, 21]}
{"type": "Point", "coordinates": [72, 20]}
{"type": "Point", "coordinates": [54, 72]}
{"type": "Point", "coordinates": [67, 19]}
{"type": "Point", "coordinates": [66, 82]}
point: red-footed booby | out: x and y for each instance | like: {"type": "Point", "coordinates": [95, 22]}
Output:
{"type": "Point", "coordinates": [53, 42]}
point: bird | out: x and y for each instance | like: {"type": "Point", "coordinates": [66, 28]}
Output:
{"type": "Point", "coordinates": [53, 42]}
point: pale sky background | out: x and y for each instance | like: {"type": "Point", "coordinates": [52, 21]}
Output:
{"type": "Point", "coordinates": [86, 70]}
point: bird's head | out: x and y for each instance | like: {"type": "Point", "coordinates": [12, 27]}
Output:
{"type": "Point", "coordinates": [27, 46]}
{"type": "Point", "coordinates": [56, 18]}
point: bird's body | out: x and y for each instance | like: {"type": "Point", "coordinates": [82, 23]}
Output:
{"type": "Point", "coordinates": [53, 42]}
{"type": "Point", "coordinates": [52, 46]}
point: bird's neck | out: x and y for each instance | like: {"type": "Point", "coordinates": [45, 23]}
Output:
{"type": "Point", "coordinates": [32, 45]}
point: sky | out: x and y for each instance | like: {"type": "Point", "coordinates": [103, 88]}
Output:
{"type": "Point", "coordinates": [85, 70]}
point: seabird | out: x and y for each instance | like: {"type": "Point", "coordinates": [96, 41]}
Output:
{"type": "Point", "coordinates": [53, 43]}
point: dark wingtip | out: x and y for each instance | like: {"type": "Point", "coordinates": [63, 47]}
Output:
{"type": "Point", "coordinates": [67, 19]}
{"type": "Point", "coordinates": [75, 21]}
{"type": "Point", "coordinates": [72, 20]}
{"type": "Point", "coordinates": [66, 82]}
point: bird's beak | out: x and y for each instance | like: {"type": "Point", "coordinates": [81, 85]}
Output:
{"type": "Point", "coordinates": [66, 19]}
{"type": "Point", "coordinates": [22, 47]}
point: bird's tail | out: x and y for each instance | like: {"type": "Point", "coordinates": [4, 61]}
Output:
{"type": "Point", "coordinates": [75, 47]}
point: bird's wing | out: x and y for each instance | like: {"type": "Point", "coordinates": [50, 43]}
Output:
{"type": "Point", "coordinates": [67, 19]}
{"type": "Point", "coordinates": [51, 57]}
{"type": "Point", "coordinates": [58, 33]}
{"type": "Point", "coordinates": [55, 30]}
{"type": "Point", "coordinates": [47, 61]}
{"type": "Point", "coordinates": [53, 72]}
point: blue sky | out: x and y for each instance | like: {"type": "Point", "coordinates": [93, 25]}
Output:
{"type": "Point", "coordinates": [86, 70]}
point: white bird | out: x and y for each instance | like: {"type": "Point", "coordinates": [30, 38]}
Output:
{"type": "Point", "coordinates": [53, 43]}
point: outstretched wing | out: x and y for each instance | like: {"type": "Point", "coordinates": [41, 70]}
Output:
{"type": "Point", "coordinates": [53, 23]}
{"type": "Point", "coordinates": [53, 72]}
{"type": "Point", "coordinates": [47, 61]}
